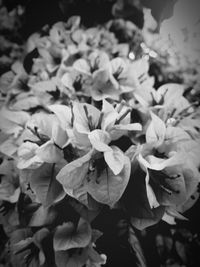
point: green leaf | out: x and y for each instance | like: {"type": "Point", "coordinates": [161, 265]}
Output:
{"type": "Point", "coordinates": [67, 237]}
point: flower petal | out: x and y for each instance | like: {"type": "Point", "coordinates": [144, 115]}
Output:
{"type": "Point", "coordinates": [109, 115]}
{"type": "Point", "coordinates": [49, 153]}
{"type": "Point", "coordinates": [110, 187]}
{"type": "Point", "coordinates": [156, 131]}
{"type": "Point", "coordinates": [73, 174]}
{"type": "Point", "coordinates": [66, 238]}
{"type": "Point", "coordinates": [63, 114]}
{"type": "Point", "coordinates": [99, 140]}
{"type": "Point", "coordinates": [115, 159]}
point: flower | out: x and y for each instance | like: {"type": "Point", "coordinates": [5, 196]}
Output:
{"type": "Point", "coordinates": [171, 176]}
{"type": "Point", "coordinates": [12, 128]}
{"type": "Point", "coordinates": [9, 186]}
{"type": "Point", "coordinates": [92, 132]}
{"type": "Point", "coordinates": [45, 144]}
{"type": "Point", "coordinates": [81, 240]}
{"type": "Point", "coordinates": [85, 128]}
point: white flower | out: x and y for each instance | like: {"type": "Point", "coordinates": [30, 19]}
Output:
{"type": "Point", "coordinates": [45, 145]}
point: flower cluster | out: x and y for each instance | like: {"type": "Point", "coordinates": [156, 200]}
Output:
{"type": "Point", "coordinates": [83, 129]}
{"type": "Point", "coordinates": [11, 45]}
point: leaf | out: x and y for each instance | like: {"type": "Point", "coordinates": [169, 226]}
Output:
{"type": "Point", "coordinates": [73, 174]}
{"type": "Point", "coordinates": [181, 250]}
{"type": "Point", "coordinates": [115, 159]}
{"type": "Point", "coordinates": [99, 140]}
{"type": "Point", "coordinates": [136, 247]}
{"type": "Point", "coordinates": [67, 237]}
{"type": "Point", "coordinates": [109, 187]}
